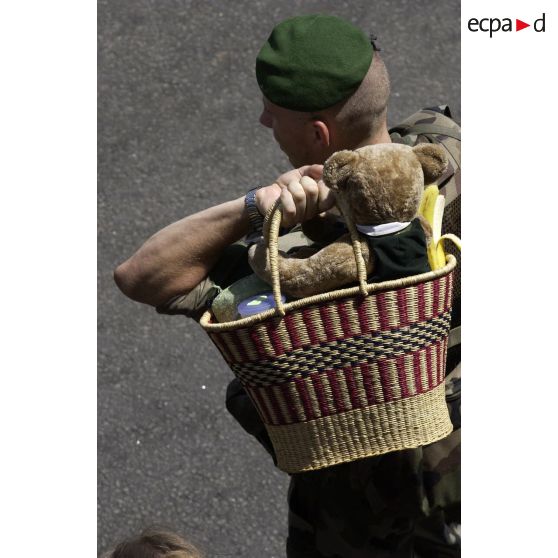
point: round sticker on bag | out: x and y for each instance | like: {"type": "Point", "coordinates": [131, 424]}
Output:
{"type": "Point", "coordinates": [256, 304]}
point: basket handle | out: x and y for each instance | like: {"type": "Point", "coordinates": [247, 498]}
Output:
{"type": "Point", "coordinates": [271, 228]}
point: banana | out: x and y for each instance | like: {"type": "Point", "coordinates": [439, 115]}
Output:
{"type": "Point", "coordinates": [428, 201]}
{"type": "Point", "coordinates": [432, 209]}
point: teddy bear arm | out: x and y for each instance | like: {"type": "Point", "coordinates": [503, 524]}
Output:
{"type": "Point", "coordinates": [258, 258]}
{"type": "Point", "coordinates": [330, 268]}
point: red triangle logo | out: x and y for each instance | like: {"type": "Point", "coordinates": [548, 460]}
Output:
{"type": "Point", "coordinates": [519, 25]}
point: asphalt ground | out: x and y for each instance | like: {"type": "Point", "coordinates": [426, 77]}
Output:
{"type": "Point", "coordinates": [178, 132]}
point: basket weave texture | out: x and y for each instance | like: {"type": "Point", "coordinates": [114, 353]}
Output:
{"type": "Point", "coordinates": [347, 374]}
{"type": "Point", "coordinates": [347, 378]}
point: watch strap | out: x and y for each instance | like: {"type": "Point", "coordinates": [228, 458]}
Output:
{"type": "Point", "coordinates": [254, 215]}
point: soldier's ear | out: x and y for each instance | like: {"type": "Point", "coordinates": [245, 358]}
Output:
{"type": "Point", "coordinates": [433, 160]}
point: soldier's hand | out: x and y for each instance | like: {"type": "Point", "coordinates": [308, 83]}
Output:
{"type": "Point", "coordinates": [303, 195]}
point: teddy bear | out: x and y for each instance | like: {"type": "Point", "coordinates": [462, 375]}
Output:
{"type": "Point", "coordinates": [379, 187]}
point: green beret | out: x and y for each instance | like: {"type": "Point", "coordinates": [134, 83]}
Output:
{"type": "Point", "coordinates": [312, 62]}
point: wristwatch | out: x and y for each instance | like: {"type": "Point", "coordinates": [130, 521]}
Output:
{"type": "Point", "coordinates": [256, 218]}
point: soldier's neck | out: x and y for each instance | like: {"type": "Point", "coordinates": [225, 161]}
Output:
{"type": "Point", "coordinates": [382, 136]}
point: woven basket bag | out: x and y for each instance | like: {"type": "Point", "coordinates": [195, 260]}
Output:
{"type": "Point", "coordinates": [348, 374]}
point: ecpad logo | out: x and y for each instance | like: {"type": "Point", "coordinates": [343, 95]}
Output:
{"type": "Point", "coordinates": [494, 24]}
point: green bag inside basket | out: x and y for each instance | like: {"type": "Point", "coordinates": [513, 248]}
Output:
{"type": "Point", "coordinates": [225, 304]}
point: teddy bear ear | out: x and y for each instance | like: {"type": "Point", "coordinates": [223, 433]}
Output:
{"type": "Point", "coordinates": [433, 160]}
{"type": "Point", "coordinates": [338, 167]}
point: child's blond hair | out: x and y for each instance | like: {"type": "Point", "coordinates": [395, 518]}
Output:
{"type": "Point", "coordinates": [155, 543]}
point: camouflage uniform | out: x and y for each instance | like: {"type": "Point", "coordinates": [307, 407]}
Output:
{"type": "Point", "coordinates": [401, 504]}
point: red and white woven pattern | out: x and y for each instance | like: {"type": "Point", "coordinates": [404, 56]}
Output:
{"type": "Point", "coordinates": [346, 378]}
{"type": "Point", "coordinates": [336, 390]}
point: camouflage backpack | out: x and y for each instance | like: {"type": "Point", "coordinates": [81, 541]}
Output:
{"type": "Point", "coordinates": [442, 459]}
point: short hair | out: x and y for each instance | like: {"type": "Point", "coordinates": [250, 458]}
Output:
{"type": "Point", "coordinates": [154, 542]}
{"type": "Point", "coordinates": [364, 113]}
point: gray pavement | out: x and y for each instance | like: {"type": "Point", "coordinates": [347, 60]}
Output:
{"type": "Point", "coordinates": [178, 131]}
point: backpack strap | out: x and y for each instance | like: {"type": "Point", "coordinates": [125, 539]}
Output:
{"type": "Point", "coordinates": [428, 129]}
{"type": "Point", "coordinates": [435, 125]}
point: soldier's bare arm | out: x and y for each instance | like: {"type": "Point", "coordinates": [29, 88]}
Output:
{"type": "Point", "coordinates": [175, 259]}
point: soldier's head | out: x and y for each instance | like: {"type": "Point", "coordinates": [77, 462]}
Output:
{"type": "Point", "coordinates": [155, 543]}
{"type": "Point", "coordinates": [324, 86]}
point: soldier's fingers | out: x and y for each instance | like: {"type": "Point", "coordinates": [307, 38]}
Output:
{"type": "Point", "coordinates": [266, 197]}
{"type": "Point", "coordinates": [293, 174]}
{"type": "Point", "coordinates": [288, 208]}
{"type": "Point", "coordinates": [299, 196]}
{"type": "Point", "coordinates": [312, 193]}
{"type": "Point", "coordinates": [313, 171]}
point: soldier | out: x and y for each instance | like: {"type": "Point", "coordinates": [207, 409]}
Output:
{"type": "Point", "coordinates": [325, 88]}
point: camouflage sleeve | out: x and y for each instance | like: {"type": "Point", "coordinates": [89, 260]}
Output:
{"type": "Point", "coordinates": [380, 506]}
{"type": "Point", "coordinates": [368, 507]}
{"type": "Point", "coordinates": [232, 265]}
